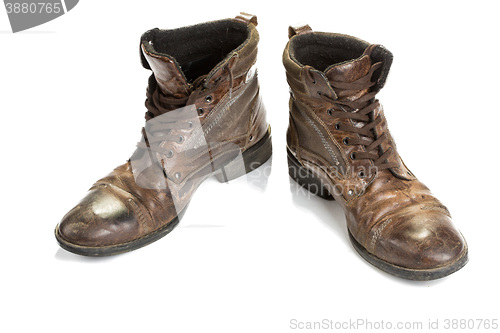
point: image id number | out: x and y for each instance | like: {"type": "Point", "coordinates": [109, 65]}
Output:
{"type": "Point", "coordinates": [469, 324]}
{"type": "Point", "coordinates": [32, 8]}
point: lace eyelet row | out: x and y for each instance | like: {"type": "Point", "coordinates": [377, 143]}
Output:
{"type": "Point", "coordinates": [209, 99]}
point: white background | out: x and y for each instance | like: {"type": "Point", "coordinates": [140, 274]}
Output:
{"type": "Point", "coordinates": [248, 256]}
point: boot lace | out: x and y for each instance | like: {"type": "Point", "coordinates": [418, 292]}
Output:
{"type": "Point", "coordinates": [361, 110]}
{"type": "Point", "coordinates": [159, 129]}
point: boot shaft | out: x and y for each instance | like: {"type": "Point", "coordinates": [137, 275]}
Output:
{"type": "Point", "coordinates": [204, 75]}
{"type": "Point", "coordinates": [186, 58]}
{"type": "Point", "coordinates": [333, 78]}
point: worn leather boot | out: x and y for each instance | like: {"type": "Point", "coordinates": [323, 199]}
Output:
{"type": "Point", "coordinates": [204, 117]}
{"type": "Point", "coordinates": [339, 147]}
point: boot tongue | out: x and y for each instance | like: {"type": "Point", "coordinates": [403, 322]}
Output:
{"type": "Point", "coordinates": [167, 72]}
{"type": "Point", "coordinates": [347, 72]}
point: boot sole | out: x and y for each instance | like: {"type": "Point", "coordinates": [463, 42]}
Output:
{"type": "Point", "coordinates": [407, 273]}
{"type": "Point", "coordinates": [306, 179]}
{"type": "Point", "coordinates": [253, 158]}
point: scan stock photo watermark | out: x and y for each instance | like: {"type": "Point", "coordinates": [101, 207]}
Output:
{"type": "Point", "coordinates": [364, 325]}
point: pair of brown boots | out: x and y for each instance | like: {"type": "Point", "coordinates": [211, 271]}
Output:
{"type": "Point", "coordinates": [205, 117]}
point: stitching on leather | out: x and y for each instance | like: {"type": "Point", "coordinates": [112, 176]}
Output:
{"type": "Point", "coordinates": [256, 107]}
{"type": "Point", "coordinates": [330, 135]}
{"type": "Point", "coordinates": [222, 112]}
{"type": "Point", "coordinates": [142, 219]}
{"type": "Point", "coordinates": [130, 193]}
{"type": "Point", "coordinates": [322, 137]}
{"type": "Point", "coordinates": [377, 234]}
{"type": "Point", "coordinates": [439, 208]}
{"type": "Point", "coordinates": [218, 118]}
{"type": "Point", "coordinates": [318, 157]}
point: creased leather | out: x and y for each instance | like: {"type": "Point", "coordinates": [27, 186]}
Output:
{"type": "Point", "coordinates": [117, 210]}
{"type": "Point", "coordinates": [389, 212]}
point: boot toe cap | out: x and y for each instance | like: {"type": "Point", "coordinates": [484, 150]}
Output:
{"type": "Point", "coordinates": [425, 241]}
{"type": "Point", "coordinates": [101, 219]}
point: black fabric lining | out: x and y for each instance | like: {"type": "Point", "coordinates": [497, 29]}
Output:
{"type": "Point", "coordinates": [197, 49]}
{"type": "Point", "coordinates": [321, 51]}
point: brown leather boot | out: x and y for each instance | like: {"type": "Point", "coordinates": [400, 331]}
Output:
{"type": "Point", "coordinates": [339, 147]}
{"type": "Point", "coordinates": [205, 117]}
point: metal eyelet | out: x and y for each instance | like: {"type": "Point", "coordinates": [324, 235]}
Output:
{"type": "Point", "coordinates": [346, 141]}
{"type": "Point", "coordinates": [250, 138]}
{"type": "Point", "coordinates": [353, 156]}
{"type": "Point", "coordinates": [329, 111]}
{"type": "Point", "coordinates": [181, 139]}
{"type": "Point", "coordinates": [209, 99]}
{"type": "Point", "coordinates": [337, 126]}
{"type": "Point", "coordinates": [361, 174]}
{"type": "Point", "coordinates": [169, 154]}
{"type": "Point", "coordinates": [201, 111]}
{"type": "Point", "coordinates": [177, 175]}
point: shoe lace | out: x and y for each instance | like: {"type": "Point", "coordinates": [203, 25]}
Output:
{"type": "Point", "coordinates": [157, 104]}
{"type": "Point", "coordinates": [361, 110]}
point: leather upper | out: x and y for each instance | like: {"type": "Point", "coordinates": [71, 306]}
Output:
{"type": "Point", "coordinates": [215, 116]}
{"type": "Point", "coordinates": [389, 212]}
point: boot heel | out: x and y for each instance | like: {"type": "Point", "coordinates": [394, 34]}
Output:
{"type": "Point", "coordinates": [306, 178]}
{"type": "Point", "coordinates": [253, 158]}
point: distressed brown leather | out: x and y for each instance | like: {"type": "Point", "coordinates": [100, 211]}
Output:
{"type": "Point", "coordinates": [209, 96]}
{"type": "Point", "coordinates": [392, 216]}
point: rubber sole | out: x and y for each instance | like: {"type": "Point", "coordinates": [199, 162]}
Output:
{"type": "Point", "coordinates": [306, 179]}
{"type": "Point", "coordinates": [252, 158]}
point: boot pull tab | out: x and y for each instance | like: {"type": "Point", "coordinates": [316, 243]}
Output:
{"type": "Point", "coordinates": [299, 30]}
{"type": "Point", "coordinates": [370, 49]}
{"type": "Point", "coordinates": [379, 53]}
{"type": "Point", "coordinates": [247, 18]}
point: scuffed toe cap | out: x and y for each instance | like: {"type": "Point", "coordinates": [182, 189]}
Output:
{"type": "Point", "coordinates": [101, 219]}
{"type": "Point", "coordinates": [424, 241]}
